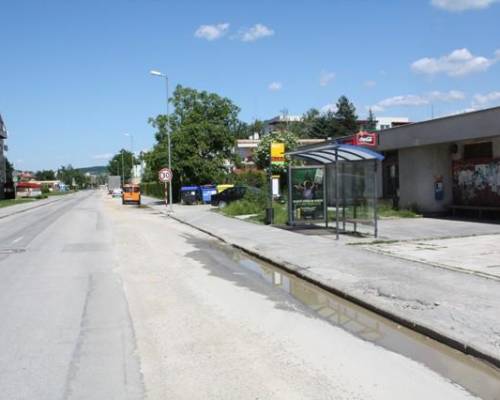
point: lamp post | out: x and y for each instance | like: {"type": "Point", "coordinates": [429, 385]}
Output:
{"type": "Point", "coordinates": [123, 175]}
{"type": "Point", "coordinates": [131, 152]}
{"type": "Point", "coordinates": [161, 75]}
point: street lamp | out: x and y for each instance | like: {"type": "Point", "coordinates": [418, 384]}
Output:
{"type": "Point", "coordinates": [123, 174]}
{"type": "Point", "coordinates": [161, 75]}
{"type": "Point", "coordinates": [131, 151]}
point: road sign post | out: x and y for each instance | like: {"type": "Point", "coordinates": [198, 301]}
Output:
{"type": "Point", "coordinates": [165, 176]}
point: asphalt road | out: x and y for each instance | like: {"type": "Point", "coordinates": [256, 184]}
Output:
{"type": "Point", "coordinates": [104, 301]}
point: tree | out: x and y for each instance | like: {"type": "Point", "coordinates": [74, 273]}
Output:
{"type": "Point", "coordinates": [45, 175]}
{"type": "Point", "coordinates": [122, 163]}
{"type": "Point", "coordinates": [203, 128]}
{"type": "Point", "coordinates": [71, 176]}
{"type": "Point", "coordinates": [325, 126]}
{"type": "Point", "coordinates": [9, 170]}
{"type": "Point", "coordinates": [346, 117]}
{"type": "Point", "coordinates": [256, 127]}
{"type": "Point", "coordinates": [262, 153]}
{"type": "Point", "coordinates": [371, 122]}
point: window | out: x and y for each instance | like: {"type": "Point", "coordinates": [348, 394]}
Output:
{"type": "Point", "coordinates": [478, 150]}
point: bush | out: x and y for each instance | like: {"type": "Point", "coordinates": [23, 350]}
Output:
{"type": "Point", "coordinates": [153, 189]}
{"type": "Point", "coordinates": [45, 189]}
{"type": "Point", "coordinates": [242, 207]}
{"type": "Point", "coordinates": [250, 178]}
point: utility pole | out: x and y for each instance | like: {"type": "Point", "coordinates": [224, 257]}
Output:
{"type": "Point", "coordinates": [170, 197]}
{"type": "Point", "coordinates": [131, 152]}
{"type": "Point", "coordinates": [123, 175]}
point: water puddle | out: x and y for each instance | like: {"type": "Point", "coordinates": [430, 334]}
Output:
{"type": "Point", "coordinates": [478, 377]}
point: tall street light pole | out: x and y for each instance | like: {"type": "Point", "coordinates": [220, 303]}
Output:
{"type": "Point", "coordinates": [123, 175]}
{"type": "Point", "coordinates": [131, 152]}
{"type": "Point", "coordinates": [161, 75]}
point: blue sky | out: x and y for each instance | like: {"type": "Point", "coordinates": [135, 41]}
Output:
{"type": "Point", "coordinates": [74, 74]}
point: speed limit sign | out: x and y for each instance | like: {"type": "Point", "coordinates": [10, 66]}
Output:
{"type": "Point", "coordinates": [165, 175]}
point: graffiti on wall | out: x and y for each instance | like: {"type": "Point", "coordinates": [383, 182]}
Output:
{"type": "Point", "coordinates": [476, 183]}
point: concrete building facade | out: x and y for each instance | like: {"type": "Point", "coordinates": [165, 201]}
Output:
{"type": "Point", "coordinates": [3, 172]}
{"type": "Point", "coordinates": [445, 162]}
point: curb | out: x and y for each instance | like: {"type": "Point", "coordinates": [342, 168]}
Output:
{"type": "Point", "coordinates": [30, 208]}
{"type": "Point", "coordinates": [419, 328]}
{"type": "Point", "coordinates": [435, 264]}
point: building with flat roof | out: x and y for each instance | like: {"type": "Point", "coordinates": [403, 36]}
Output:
{"type": "Point", "coordinates": [444, 163]}
{"type": "Point", "coordinates": [3, 166]}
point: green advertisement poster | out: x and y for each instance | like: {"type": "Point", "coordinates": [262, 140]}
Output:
{"type": "Point", "coordinates": [308, 193]}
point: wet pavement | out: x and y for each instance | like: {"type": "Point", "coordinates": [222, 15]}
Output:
{"type": "Point", "coordinates": [295, 294]}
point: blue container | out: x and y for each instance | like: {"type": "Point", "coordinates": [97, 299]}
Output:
{"type": "Point", "coordinates": [190, 195]}
{"type": "Point", "coordinates": [206, 193]}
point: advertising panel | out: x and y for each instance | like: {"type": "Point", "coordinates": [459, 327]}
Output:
{"type": "Point", "coordinates": [277, 153]}
{"type": "Point", "coordinates": [308, 193]}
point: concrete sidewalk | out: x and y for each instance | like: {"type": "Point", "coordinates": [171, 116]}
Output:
{"type": "Point", "coordinates": [458, 308]}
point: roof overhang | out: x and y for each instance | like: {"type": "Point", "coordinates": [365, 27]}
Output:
{"type": "Point", "coordinates": [333, 152]}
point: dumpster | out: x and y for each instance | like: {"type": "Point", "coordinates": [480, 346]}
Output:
{"type": "Point", "coordinates": [190, 195]}
{"type": "Point", "coordinates": [221, 188]}
{"type": "Point", "coordinates": [206, 193]}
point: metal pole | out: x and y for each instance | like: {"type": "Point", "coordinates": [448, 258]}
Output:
{"type": "Point", "coordinates": [325, 197]}
{"type": "Point", "coordinates": [170, 197]}
{"type": "Point", "coordinates": [290, 203]}
{"type": "Point", "coordinates": [270, 207]}
{"type": "Point", "coordinates": [337, 193]}
{"type": "Point", "coordinates": [343, 196]}
{"type": "Point", "coordinates": [375, 200]}
{"type": "Point", "coordinates": [123, 175]}
{"type": "Point", "coordinates": [132, 154]}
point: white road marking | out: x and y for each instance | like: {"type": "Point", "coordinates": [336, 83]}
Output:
{"type": "Point", "coordinates": [18, 239]}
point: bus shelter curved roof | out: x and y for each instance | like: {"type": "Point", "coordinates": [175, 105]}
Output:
{"type": "Point", "coordinates": [331, 152]}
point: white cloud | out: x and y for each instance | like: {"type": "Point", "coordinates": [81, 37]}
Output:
{"type": "Point", "coordinates": [258, 31]}
{"type": "Point", "coordinates": [462, 5]}
{"type": "Point", "coordinates": [484, 99]}
{"type": "Point", "coordinates": [275, 86]}
{"type": "Point", "coordinates": [105, 156]}
{"type": "Point", "coordinates": [414, 100]}
{"type": "Point", "coordinates": [452, 95]}
{"type": "Point", "coordinates": [370, 83]}
{"type": "Point", "coordinates": [212, 32]}
{"type": "Point", "coordinates": [459, 62]}
{"type": "Point", "coordinates": [457, 112]}
{"type": "Point", "coordinates": [332, 107]}
{"type": "Point", "coordinates": [326, 77]}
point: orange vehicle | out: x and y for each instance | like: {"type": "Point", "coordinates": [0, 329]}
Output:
{"type": "Point", "coordinates": [131, 194]}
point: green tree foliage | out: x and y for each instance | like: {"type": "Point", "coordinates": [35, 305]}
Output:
{"type": "Point", "coordinates": [122, 162]}
{"type": "Point", "coordinates": [9, 169]}
{"type": "Point", "coordinates": [257, 179]}
{"type": "Point", "coordinates": [346, 117]}
{"type": "Point", "coordinates": [203, 128]}
{"type": "Point", "coordinates": [45, 175]}
{"type": "Point", "coordinates": [371, 122]}
{"type": "Point", "coordinates": [256, 127]}
{"type": "Point", "coordinates": [325, 126]}
{"type": "Point", "coordinates": [70, 175]}
{"type": "Point", "coordinates": [262, 153]}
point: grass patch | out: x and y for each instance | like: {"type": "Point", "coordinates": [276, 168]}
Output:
{"type": "Point", "coordinates": [241, 207]}
{"type": "Point", "coordinates": [365, 212]}
{"type": "Point", "coordinates": [50, 194]}
{"type": "Point", "coordinates": [13, 202]}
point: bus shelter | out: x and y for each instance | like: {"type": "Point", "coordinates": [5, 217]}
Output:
{"type": "Point", "coordinates": [334, 181]}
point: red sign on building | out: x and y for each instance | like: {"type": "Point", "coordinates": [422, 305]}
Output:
{"type": "Point", "coordinates": [364, 138]}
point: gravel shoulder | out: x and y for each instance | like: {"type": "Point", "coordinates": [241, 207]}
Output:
{"type": "Point", "coordinates": [459, 307]}
{"type": "Point", "coordinates": [205, 329]}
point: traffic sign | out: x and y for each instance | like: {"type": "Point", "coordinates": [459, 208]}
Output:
{"type": "Point", "coordinates": [165, 175]}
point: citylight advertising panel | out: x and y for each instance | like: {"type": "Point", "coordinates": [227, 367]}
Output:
{"type": "Point", "coordinates": [308, 193]}
{"type": "Point", "coordinates": [278, 154]}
